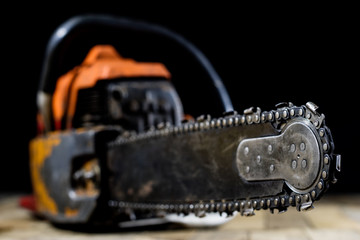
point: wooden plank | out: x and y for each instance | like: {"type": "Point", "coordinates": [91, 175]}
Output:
{"type": "Point", "coordinates": [335, 217]}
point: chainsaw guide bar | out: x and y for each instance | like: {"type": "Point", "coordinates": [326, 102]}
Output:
{"type": "Point", "coordinates": [258, 160]}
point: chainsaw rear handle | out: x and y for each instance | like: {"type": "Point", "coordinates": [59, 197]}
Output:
{"type": "Point", "coordinates": [70, 30]}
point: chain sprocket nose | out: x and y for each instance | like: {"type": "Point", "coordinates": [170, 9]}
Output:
{"type": "Point", "coordinates": [293, 156]}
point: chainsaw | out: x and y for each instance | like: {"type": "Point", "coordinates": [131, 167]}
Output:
{"type": "Point", "coordinates": [114, 146]}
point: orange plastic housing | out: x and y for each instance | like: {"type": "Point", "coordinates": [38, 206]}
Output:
{"type": "Point", "coordinates": [102, 63]}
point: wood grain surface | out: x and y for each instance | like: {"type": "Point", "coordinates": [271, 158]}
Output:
{"type": "Point", "coordinates": [334, 217]}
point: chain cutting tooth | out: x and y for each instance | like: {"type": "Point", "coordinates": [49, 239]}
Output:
{"type": "Point", "coordinates": [312, 107]}
{"type": "Point", "coordinates": [247, 210]}
{"type": "Point", "coordinates": [282, 210]}
{"type": "Point", "coordinates": [306, 204]}
{"type": "Point", "coordinates": [338, 162]}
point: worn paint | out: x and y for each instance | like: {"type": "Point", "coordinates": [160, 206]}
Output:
{"type": "Point", "coordinates": [69, 212]}
{"type": "Point", "coordinates": [40, 150]}
{"type": "Point", "coordinates": [90, 189]}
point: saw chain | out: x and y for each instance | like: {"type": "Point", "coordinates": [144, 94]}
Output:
{"type": "Point", "coordinates": [308, 172]}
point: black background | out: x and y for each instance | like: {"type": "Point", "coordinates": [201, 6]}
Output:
{"type": "Point", "coordinates": [264, 57]}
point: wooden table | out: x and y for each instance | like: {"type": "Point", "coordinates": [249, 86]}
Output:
{"type": "Point", "coordinates": [334, 217]}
